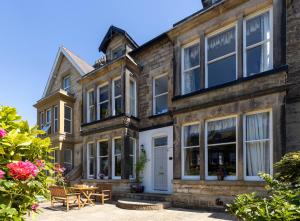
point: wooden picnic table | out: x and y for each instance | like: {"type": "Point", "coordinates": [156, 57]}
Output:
{"type": "Point", "coordinates": [87, 192]}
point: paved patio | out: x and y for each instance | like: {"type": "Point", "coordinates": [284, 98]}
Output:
{"type": "Point", "coordinates": [109, 212]}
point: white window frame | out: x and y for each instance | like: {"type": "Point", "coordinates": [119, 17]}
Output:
{"type": "Point", "coordinates": [236, 147]}
{"type": "Point", "coordinates": [48, 121]}
{"type": "Point", "coordinates": [70, 120]}
{"type": "Point", "coordinates": [245, 48]}
{"type": "Point", "coordinates": [113, 158]}
{"type": "Point", "coordinates": [99, 103]}
{"type": "Point", "coordinates": [67, 88]}
{"type": "Point", "coordinates": [257, 178]}
{"type": "Point", "coordinates": [99, 157]}
{"type": "Point", "coordinates": [134, 112]}
{"type": "Point", "coordinates": [113, 95]}
{"type": "Point", "coordinates": [219, 31]}
{"type": "Point", "coordinates": [55, 119]}
{"type": "Point", "coordinates": [159, 95]}
{"type": "Point", "coordinates": [183, 148]}
{"type": "Point", "coordinates": [90, 176]}
{"type": "Point", "coordinates": [197, 41]}
{"type": "Point", "coordinates": [89, 106]}
{"type": "Point", "coordinates": [134, 158]}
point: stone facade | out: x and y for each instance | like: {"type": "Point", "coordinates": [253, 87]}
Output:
{"type": "Point", "coordinates": [275, 90]}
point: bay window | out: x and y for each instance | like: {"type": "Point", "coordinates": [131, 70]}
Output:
{"type": "Point", "coordinates": [91, 153]}
{"type": "Point", "coordinates": [90, 106]}
{"type": "Point", "coordinates": [221, 148]}
{"type": "Point", "coordinates": [116, 158]}
{"type": "Point", "coordinates": [68, 119]}
{"type": "Point", "coordinates": [133, 97]}
{"type": "Point", "coordinates": [117, 97]}
{"type": "Point", "coordinates": [48, 121]}
{"type": "Point", "coordinates": [258, 43]}
{"type": "Point", "coordinates": [103, 102]}
{"type": "Point", "coordinates": [55, 119]}
{"type": "Point", "coordinates": [190, 65]}
{"type": "Point", "coordinates": [221, 57]}
{"type": "Point", "coordinates": [102, 158]}
{"type": "Point", "coordinates": [132, 162]}
{"type": "Point", "coordinates": [257, 145]}
{"type": "Point", "coordinates": [190, 151]}
{"type": "Point", "coordinates": [42, 120]}
{"type": "Point", "coordinates": [160, 95]}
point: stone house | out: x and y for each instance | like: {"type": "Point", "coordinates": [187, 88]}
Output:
{"type": "Point", "coordinates": [216, 96]}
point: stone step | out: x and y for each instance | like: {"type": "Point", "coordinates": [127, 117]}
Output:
{"type": "Point", "coordinates": [144, 196]}
{"type": "Point", "coordinates": [132, 204]}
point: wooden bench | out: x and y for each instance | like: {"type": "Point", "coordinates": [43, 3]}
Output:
{"type": "Point", "coordinates": [60, 195]}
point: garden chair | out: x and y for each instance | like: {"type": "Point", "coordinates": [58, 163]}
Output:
{"type": "Point", "coordinates": [61, 195]}
{"type": "Point", "coordinates": [104, 192]}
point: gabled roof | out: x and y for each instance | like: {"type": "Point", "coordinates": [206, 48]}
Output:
{"type": "Point", "coordinates": [79, 64]}
{"type": "Point", "coordinates": [110, 33]}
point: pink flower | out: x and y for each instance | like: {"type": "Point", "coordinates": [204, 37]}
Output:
{"type": "Point", "coordinates": [2, 173]}
{"type": "Point", "coordinates": [40, 163]}
{"type": "Point", "coordinates": [34, 207]}
{"type": "Point", "coordinates": [22, 170]}
{"type": "Point", "coordinates": [59, 169]}
{"type": "Point", "coordinates": [2, 133]}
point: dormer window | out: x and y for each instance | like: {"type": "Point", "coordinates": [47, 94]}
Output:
{"type": "Point", "coordinates": [67, 83]}
{"type": "Point", "coordinates": [116, 53]}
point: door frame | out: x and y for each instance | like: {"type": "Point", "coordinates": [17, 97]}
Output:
{"type": "Point", "coordinates": [153, 163]}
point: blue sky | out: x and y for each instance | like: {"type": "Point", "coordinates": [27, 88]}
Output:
{"type": "Point", "coordinates": [32, 30]}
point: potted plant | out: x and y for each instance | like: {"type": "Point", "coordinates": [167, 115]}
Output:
{"type": "Point", "coordinates": [139, 168]}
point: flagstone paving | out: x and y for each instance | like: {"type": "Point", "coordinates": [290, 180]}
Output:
{"type": "Point", "coordinates": [109, 212]}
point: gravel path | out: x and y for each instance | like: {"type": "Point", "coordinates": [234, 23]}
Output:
{"type": "Point", "coordinates": [109, 212]}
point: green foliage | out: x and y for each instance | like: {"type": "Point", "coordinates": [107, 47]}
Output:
{"type": "Point", "coordinates": [22, 143]}
{"type": "Point", "coordinates": [288, 169]}
{"type": "Point", "coordinates": [282, 198]}
{"type": "Point", "coordinates": [140, 165]}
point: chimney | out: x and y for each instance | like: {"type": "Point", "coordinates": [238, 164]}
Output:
{"type": "Point", "coordinates": [208, 3]}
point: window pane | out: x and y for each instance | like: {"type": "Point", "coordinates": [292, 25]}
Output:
{"type": "Point", "coordinates": [118, 106]}
{"type": "Point", "coordinates": [91, 150]}
{"type": "Point", "coordinates": [66, 83]}
{"type": "Point", "coordinates": [221, 44]}
{"type": "Point", "coordinates": [68, 156]}
{"type": "Point", "coordinates": [222, 71]}
{"type": "Point", "coordinates": [118, 165]}
{"type": "Point", "coordinates": [191, 162]}
{"type": "Point", "coordinates": [48, 116]}
{"type": "Point", "coordinates": [103, 91]}
{"type": "Point", "coordinates": [258, 29]}
{"type": "Point", "coordinates": [191, 80]}
{"type": "Point", "coordinates": [161, 104]}
{"type": "Point", "coordinates": [161, 85]}
{"type": "Point", "coordinates": [67, 126]}
{"type": "Point", "coordinates": [104, 113]}
{"type": "Point", "coordinates": [91, 98]}
{"type": "Point", "coordinates": [104, 166]}
{"type": "Point", "coordinates": [117, 87]}
{"type": "Point", "coordinates": [222, 158]}
{"type": "Point", "coordinates": [257, 126]}
{"type": "Point", "coordinates": [258, 59]}
{"type": "Point", "coordinates": [68, 113]}
{"type": "Point", "coordinates": [92, 167]}
{"type": "Point", "coordinates": [257, 158]}
{"type": "Point", "coordinates": [131, 146]}
{"type": "Point", "coordinates": [92, 113]}
{"type": "Point", "coordinates": [103, 148]}
{"type": "Point", "coordinates": [132, 98]}
{"type": "Point", "coordinates": [161, 141]}
{"type": "Point", "coordinates": [221, 131]}
{"type": "Point", "coordinates": [118, 146]}
{"type": "Point", "coordinates": [191, 135]}
{"type": "Point", "coordinates": [191, 56]}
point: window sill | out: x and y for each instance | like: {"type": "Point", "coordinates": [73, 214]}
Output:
{"type": "Point", "coordinates": [232, 83]}
{"type": "Point", "coordinates": [219, 182]}
{"type": "Point", "coordinates": [109, 118]}
{"type": "Point", "coordinates": [168, 113]}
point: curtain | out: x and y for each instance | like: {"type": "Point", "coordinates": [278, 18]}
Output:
{"type": "Point", "coordinates": [221, 40]}
{"type": "Point", "coordinates": [257, 149]}
{"type": "Point", "coordinates": [221, 124]}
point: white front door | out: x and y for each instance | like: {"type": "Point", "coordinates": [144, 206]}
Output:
{"type": "Point", "coordinates": [160, 159]}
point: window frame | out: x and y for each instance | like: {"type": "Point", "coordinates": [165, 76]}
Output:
{"type": "Point", "coordinates": [42, 122]}
{"type": "Point", "coordinates": [183, 47]}
{"type": "Point", "coordinates": [131, 79]}
{"type": "Point", "coordinates": [236, 147]}
{"type": "Point", "coordinates": [70, 120]}
{"type": "Point", "coordinates": [64, 80]}
{"type": "Point", "coordinates": [55, 119]}
{"type": "Point", "coordinates": [115, 97]}
{"type": "Point", "coordinates": [89, 106]}
{"type": "Point", "coordinates": [113, 159]}
{"type": "Point", "coordinates": [48, 121]}
{"type": "Point", "coordinates": [212, 34]}
{"type": "Point", "coordinates": [134, 158]}
{"type": "Point", "coordinates": [245, 48]}
{"type": "Point", "coordinates": [155, 96]}
{"type": "Point", "coordinates": [271, 140]}
{"type": "Point", "coordinates": [99, 156]}
{"type": "Point", "coordinates": [183, 148]}
{"type": "Point", "coordinates": [99, 103]}
{"type": "Point", "coordinates": [90, 176]}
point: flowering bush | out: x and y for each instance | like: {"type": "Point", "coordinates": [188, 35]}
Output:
{"type": "Point", "coordinates": [25, 163]}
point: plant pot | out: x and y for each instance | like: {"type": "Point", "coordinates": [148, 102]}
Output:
{"type": "Point", "coordinates": [137, 188]}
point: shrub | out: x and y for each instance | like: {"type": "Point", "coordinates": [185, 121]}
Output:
{"type": "Point", "coordinates": [25, 163]}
